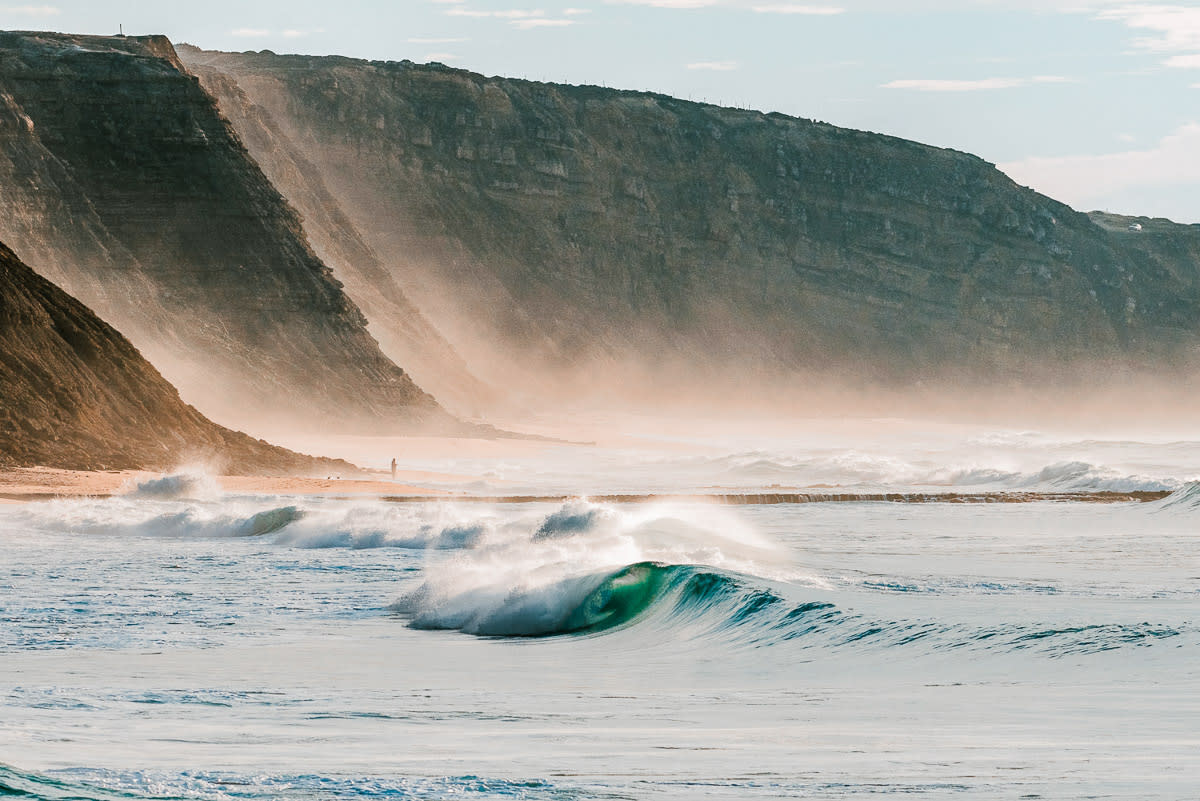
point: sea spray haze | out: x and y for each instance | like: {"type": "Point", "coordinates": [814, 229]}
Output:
{"type": "Point", "coordinates": [628, 246]}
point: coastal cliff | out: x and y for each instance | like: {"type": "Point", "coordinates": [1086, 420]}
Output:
{"type": "Point", "coordinates": [120, 181]}
{"type": "Point", "coordinates": [579, 225]}
{"type": "Point", "coordinates": [76, 394]}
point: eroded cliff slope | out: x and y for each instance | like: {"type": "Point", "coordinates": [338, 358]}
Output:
{"type": "Point", "coordinates": [76, 394]}
{"type": "Point", "coordinates": [120, 180]}
{"type": "Point", "coordinates": [573, 224]}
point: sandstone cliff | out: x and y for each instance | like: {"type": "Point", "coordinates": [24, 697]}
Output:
{"type": "Point", "coordinates": [76, 394]}
{"type": "Point", "coordinates": [575, 223]}
{"type": "Point", "coordinates": [120, 180]}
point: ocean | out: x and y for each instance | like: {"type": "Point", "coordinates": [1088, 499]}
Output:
{"type": "Point", "coordinates": [1038, 637]}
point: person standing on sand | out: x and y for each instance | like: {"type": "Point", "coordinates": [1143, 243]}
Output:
{"type": "Point", "coordinates": [393, 468]}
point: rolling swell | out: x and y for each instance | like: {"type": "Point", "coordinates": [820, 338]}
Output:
{"type": "Point", "coordinates": [685, 603]}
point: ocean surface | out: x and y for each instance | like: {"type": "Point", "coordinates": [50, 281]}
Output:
{"type": "Point", "coordinates": [180, 642]}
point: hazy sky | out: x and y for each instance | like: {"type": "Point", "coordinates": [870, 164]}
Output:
{"type": "Point", "coordinates": [1095, 102]}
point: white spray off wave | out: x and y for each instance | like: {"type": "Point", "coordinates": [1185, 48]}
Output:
{"type": "Point", "coordinates": [530, 574]}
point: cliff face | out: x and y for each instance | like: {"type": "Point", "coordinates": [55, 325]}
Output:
{"type": "Point", "coordinates": [576, 222]}
{"type": "Point", "coordinates": [120, 180]}
{"type": "Point", "coordinates": [403, 331]}
{"type": "Point", "coordinates": [76, 394]}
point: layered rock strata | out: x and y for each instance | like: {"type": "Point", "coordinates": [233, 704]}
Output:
{"type": "Point", "coordinates": [574, 224]}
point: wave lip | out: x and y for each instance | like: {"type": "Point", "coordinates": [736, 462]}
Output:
{"type": "Point", "coordinates": [582, 604]}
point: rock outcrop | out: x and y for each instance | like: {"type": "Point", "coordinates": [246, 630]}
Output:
{"type": "Point", "coordinates": [578, 224]}
{"type": "Point", "coordinates": [120, 181]}
{"type": "Point", "coordinates": [76, 394]}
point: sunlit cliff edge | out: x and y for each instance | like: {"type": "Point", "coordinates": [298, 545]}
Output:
{"type": "Point", "coordinates": [76, 394]}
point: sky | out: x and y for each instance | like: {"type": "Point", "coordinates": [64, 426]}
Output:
{"type": "Point", "coordinates": [1093, 102]}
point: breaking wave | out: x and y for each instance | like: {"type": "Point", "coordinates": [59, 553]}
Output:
{"type": "Point", "coordinates": [686, 577]}
{"type": "Point", "coordinates": [1061, 476]}
{"type": "Point", "coordinates": [679, 603]}
{"type": "Point", "coordinates": [1184, 498]}
{"type": "Point", "coordinates": [873, 472]}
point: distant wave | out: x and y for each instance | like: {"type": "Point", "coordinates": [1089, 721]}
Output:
{"type": "Point", "coordinates": [291, 522]}
{"type": "Point", "coordinates": [872, 472]}
{"type": "Point", "coordinates": [1185, 498]}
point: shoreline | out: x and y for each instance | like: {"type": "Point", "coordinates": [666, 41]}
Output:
{"type": "Point", "coordinates": [31, 484]}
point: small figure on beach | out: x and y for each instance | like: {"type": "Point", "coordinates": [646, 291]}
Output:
{"type": "Point", "coordinates": [393, 468]}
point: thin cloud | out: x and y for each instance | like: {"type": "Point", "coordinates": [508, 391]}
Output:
{"type": "Point", "coordinates": [513, 13]}
{"type": "Point", "coordinates": [981, 85]}
{"type": "Point", "coordinates": [539, 22]}
{"type": "Point", "coordinates": [717, 66]}
{"type": "Point", "coordinates": [520, 18]}
{"type": "Point", "coordinates": [789, 8]}
{"type": "Point", "coordinates": [1174, 28]}
{"type": "Point", "coordinates": [1186, 62]}
{"type": "Point", "coordinates": [679, 4]}
{"type": "Point", "coordinates": [572, 12]}
{"type": "Point", "coordinates": [440, 56]}
{"type": "Point", "coordinates": [32, 11]}
{"type": "Point", "coordinates": [429, 41]}
{"type": "Point", "coordinates": [249, 33]}
{"type": "Point", "coordinates": [757, 6]}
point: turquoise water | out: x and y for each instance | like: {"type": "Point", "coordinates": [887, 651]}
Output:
{"type": "Point", "coordinates": [183, 643]}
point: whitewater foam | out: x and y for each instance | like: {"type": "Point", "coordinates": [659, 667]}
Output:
{"type": "Point", "coordinates": [186, 485]}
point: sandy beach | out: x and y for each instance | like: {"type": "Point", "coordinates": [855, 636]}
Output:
{"type": "Point", "coordinates": [19, 485]}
